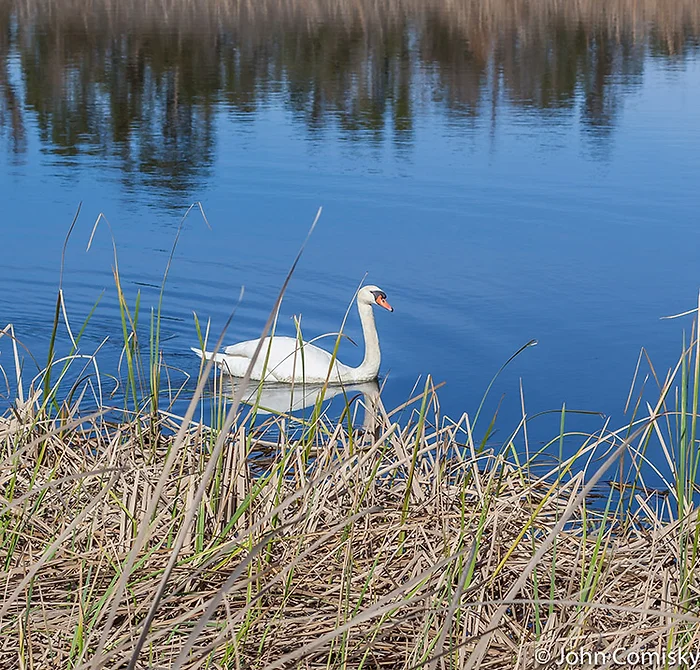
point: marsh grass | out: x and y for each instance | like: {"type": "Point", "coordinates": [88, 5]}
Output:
{"type": "Point", "coordinates": [133, 538]}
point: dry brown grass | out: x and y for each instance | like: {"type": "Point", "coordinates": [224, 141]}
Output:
{"type": "Point", "coordinates": [480, 24]}
{"type": "Point", "coordinates": [186, 14]}
{"type": "Point", "coordinates": [375, 546]}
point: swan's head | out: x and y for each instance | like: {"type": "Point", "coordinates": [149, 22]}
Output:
{"type": "Point", "coordinates": [373, 295]}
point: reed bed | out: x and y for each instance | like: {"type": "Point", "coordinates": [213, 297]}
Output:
{"type": "Point", "coordinates": [134, 538]}
{"type": "Point", "coordinates": [682, 16]}
{"type": "Point", "coordinates": [353, 544]}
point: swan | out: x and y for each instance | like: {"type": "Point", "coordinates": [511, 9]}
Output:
{"type": "Point", "coordinates": [288, 362]}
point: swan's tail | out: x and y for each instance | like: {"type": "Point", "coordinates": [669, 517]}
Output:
{"type": "Point", "coordinates": [207, 355]}
{"type": "Point", "coordinates": [231, 364]}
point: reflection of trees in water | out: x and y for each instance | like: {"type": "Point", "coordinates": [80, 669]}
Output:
{"type": "Point", "coordinates": [139, 81]}
{"type": "Point", "coordinates": [10, 106]}
{"type": "Point", "coordinates": [554, 69]}
{"type": "Point", "coordinates": [144, 98]}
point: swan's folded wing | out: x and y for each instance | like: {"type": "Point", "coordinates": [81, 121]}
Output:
{"type": "Point", "coordinates": [281, 346]}
{"type": "Point", "coordinates": [246, 349]}
{"type": "Point", "coordinates": [285, 360]}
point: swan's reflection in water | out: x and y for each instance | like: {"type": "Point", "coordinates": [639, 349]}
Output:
{"type": "Point", "coordinates": [273, 398]}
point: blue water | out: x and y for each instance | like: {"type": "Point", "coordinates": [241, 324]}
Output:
{"type": "Point", "coordinates": [488, 223]}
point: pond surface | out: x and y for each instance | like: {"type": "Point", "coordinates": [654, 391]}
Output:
{"type": "Point", "coordinates": [503, 170]}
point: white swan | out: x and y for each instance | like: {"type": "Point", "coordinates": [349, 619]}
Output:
{"type": "Point", "coordinates": [289, 362]}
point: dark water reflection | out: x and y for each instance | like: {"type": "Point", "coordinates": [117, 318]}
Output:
{"type": "Point", "coordinates": [141, 82]}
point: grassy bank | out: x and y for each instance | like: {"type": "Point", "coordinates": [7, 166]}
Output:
{"type": "Point", "coordinates": [133, 538]}
{"type": "Point", "coordinates": [374, 545]}
{"type": "Point", "coordinates": [354, 544]}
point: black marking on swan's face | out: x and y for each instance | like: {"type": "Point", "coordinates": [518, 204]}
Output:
{"type": "Point", "coordinates": [380, 299]}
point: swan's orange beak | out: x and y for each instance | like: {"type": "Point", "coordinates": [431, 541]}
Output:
{"type": "Point", "coordinates": [381, 301]}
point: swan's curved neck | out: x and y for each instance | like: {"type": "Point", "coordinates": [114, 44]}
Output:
{"type": "Point", "coordinates": [369, 368]}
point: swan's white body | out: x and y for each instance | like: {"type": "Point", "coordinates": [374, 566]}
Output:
{"type": "Point", "coordinates": [284, 359]}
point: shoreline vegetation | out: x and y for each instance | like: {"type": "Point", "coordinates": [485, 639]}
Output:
{"type": "Point", "coordinates": [133, 538]}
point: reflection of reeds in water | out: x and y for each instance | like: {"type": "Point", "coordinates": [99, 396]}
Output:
{"type": "Point", "coordinates": [140, 80]}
